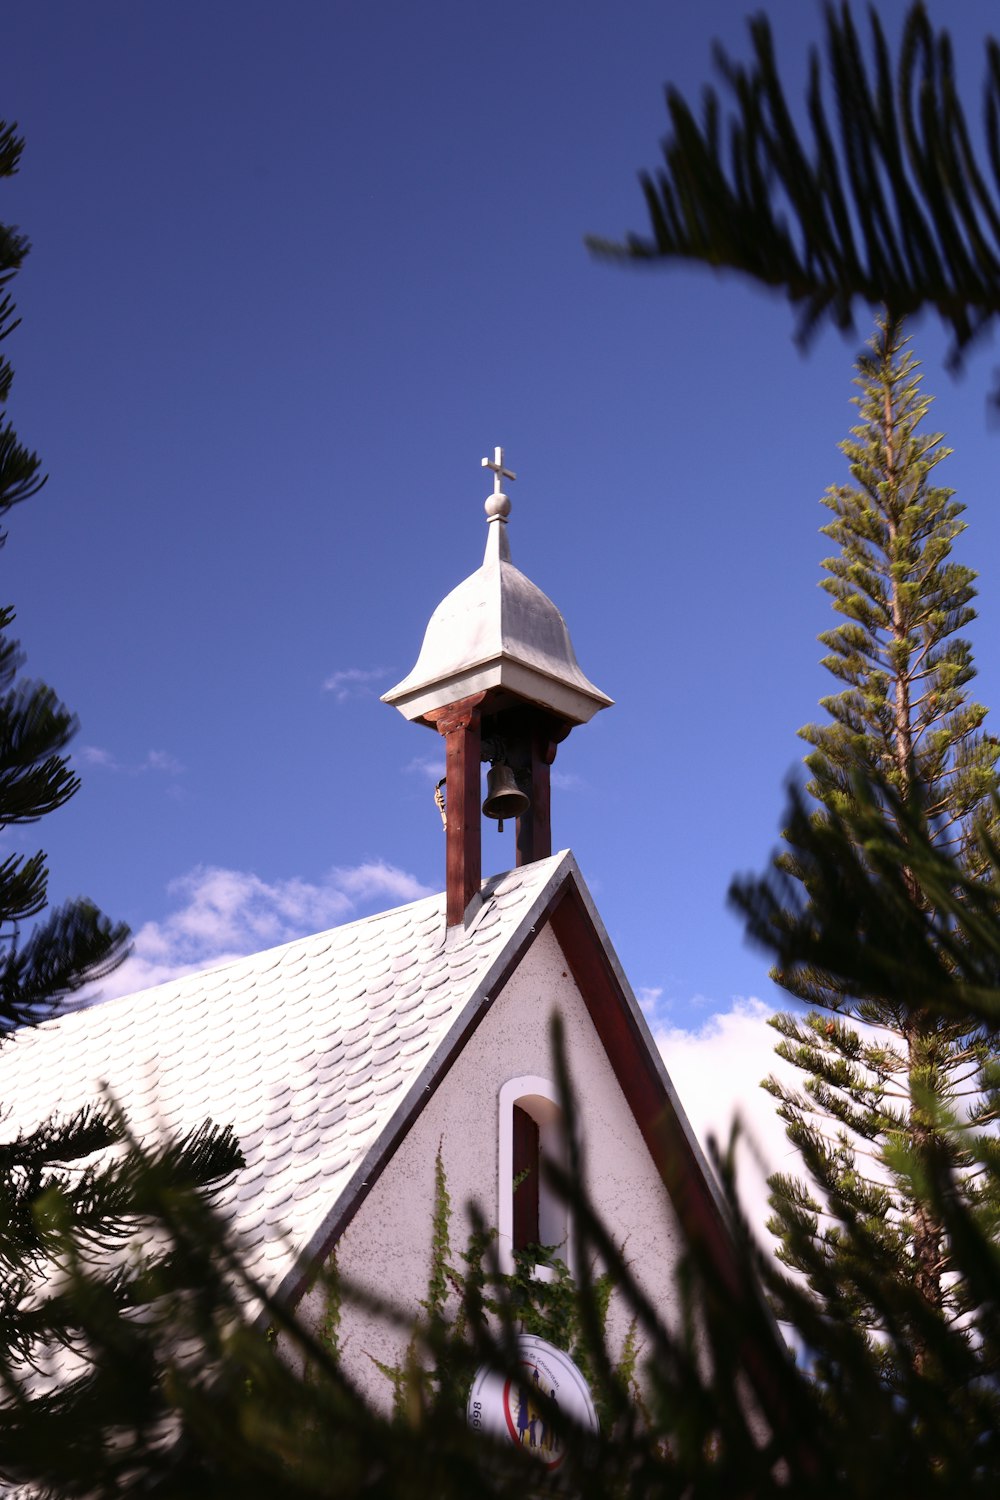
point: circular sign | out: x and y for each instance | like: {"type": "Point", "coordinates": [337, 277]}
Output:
{"type": "Point", "coordinates": [511, 1409]}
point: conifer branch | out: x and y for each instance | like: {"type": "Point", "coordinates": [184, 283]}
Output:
{"type": "Point", "coordinates": [882, 201]}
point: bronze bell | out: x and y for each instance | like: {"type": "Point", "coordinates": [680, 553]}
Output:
{"type": "Point", "coordinates": [504, 798]}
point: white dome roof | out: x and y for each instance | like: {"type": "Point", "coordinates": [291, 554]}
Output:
{"type": "Point", "coordinates": [498, 630]}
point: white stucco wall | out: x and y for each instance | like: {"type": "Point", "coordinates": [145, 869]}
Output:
{"type": "Point", "coordinates": [386, 1247]}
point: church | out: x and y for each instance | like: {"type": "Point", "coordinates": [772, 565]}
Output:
{"type": "Point", "coordinates": [346, 1061]}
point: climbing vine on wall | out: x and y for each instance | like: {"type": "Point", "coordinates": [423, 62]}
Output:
{"type": "Point", "coordinates": [441, 1353]}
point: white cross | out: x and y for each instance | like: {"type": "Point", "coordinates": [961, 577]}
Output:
{"type": "Point", "coordinates": [499, 472]}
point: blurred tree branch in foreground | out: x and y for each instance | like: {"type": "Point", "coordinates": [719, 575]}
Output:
{"type": "Point", "coordinates": [217, 1388]}
{"type": "Point", "coordinates": [887, 200]}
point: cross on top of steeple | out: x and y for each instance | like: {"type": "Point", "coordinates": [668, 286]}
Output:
{"type": "Point", "coordinates": [499, 472]}
{"type": "Point", "coordinates": [498, 504]}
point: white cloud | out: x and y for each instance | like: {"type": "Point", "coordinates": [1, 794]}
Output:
{"type": "Point", "coordinates": [161, 760]}
{"type": "Point", "coordinates": [220, 914]}
{"type": "Point", "coordinates": [429, 766]}
{"type": "Point", "coordinates": [94, 755]}
{"type": "Point", "coordinates": [363, 883]}
{"type": "Point", "coordinates": [155, 760]}
{"type": "Point", "coordinates": [352, 682]}
{"type": "Point", "coordinates": [648, 996]}
{"type": "Point", "coordinates": [567, 781]}
{"type": "Point", "coordinates": [716, 1071]}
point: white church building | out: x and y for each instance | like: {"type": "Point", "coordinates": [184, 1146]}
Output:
{"type": "Point", "coordinates": [344, 1061]}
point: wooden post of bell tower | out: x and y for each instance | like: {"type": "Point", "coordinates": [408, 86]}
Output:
{"type": "Point", "coordinates": [459, 723]}
{"type": "Point", "coordinates": [534, 826]}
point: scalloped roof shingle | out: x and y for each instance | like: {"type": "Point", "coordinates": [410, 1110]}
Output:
{"type": "Point", "coordinates": [316, 1052]}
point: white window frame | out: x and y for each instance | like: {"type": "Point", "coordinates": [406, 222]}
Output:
{"type": "Point", "coordinates": [538, 1098]}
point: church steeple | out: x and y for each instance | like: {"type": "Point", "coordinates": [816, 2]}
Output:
{"type": "Point", "coordinates": [497, 676]}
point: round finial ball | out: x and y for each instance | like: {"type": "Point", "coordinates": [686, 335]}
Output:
{"type": "Point", "coordinates": [497, 504]}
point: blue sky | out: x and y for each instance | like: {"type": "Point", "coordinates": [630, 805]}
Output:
{"type": "Point", "coordinates": [295, 270]}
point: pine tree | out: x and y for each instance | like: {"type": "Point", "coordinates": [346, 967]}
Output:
{"type": "Point", "coordinates": [890, 1080]}
{"type": "Point", "coordinates": [49, 1199]}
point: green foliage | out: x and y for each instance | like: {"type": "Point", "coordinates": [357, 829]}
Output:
{"type": "Point", "coordinates": [208, 1401]}
{"type": "Point", "coordinates": [458, 1299]}
{"type": "Point", "coordinates": [884, 200]}
{"type": "Point", "coordinates": [20, 475]}
{"type": "Point", "coordinates": [328, 1329]}
{"type": "Point", "coordinates": [903, 714]}
{"type": "Point", "coordinates": [441, 1275]}
{"type": "Point", "coordinates": [925, 1387]}
{"type": "Point", "coordinates": [902, 763]}
{"type": "Point", "coordinates": [67, 1202]}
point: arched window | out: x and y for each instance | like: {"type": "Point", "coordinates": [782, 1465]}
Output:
{"type": "Point", "coordinates": [528, 1212]}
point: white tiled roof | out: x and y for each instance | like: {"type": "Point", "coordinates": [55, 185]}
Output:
{"type": "Point", "coordinates": [314, 1052]}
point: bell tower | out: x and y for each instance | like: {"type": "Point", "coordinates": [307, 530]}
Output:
{"type": "Point", "coordinates": [498, 678]}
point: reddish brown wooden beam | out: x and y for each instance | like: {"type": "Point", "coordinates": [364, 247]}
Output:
{"type": "Point", "coordinates": [459, 724]}
{"type": "Point", "coordinates": [539, 736]}
{"type": "Point", "coordinates": [534, 826]}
